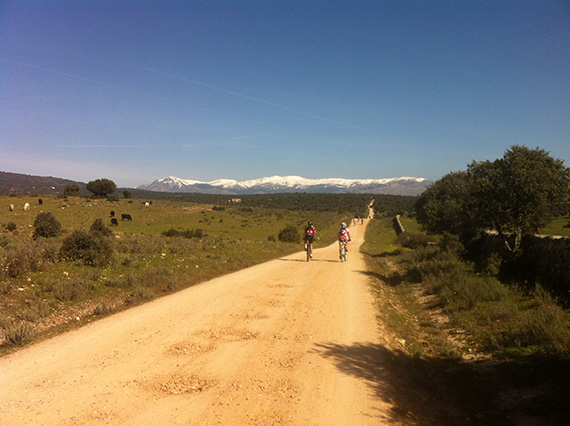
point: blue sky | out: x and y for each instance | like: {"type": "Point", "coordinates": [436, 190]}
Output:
{"type": "Point", "coordinates": [138, 90]}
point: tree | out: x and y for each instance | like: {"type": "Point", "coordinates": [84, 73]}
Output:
{"type": "Point", "coordinates": [46, 225]}
{"type": "Point", "coordinates": [71, 190]}
{"type": "Point", "coordinates": [443, 207]}
{"type": "Point", "coordinates": [514, 194]}
{"type": "Point", "coordinates": [101, 187]}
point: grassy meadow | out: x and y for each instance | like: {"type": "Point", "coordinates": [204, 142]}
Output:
{"type": "Point", "coordinates": [41, 293]}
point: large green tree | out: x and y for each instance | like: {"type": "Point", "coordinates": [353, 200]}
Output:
{"type": "Point", "coordinates": [443, 206]}
{"type": "Point", "coordinates": [101, 187]}
{"type": "Point", "coordinates": [512, 195]}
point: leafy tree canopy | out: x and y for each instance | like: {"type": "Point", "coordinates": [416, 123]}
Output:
{"type": "Point", "coordinates": [101, 187]}
{"type": "Point", "coordinates": [512, 195]}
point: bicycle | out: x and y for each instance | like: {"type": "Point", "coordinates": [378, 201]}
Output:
{"type": "Point", "coordinates": [309, 252]}
{"type": "Point", "coordinates": [343, 250]}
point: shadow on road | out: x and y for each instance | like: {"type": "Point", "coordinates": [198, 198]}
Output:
{"type": "Point", "coordinates": [312, 260]}
{"type": "Point", "coordinates": [422, 392]}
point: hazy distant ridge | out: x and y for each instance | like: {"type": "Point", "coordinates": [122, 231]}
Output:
{"type": "Point", "coordinates": [274, 184]}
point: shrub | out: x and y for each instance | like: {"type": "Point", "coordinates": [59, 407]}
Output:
{"type": "Point", "coordinates": [91, 249]}
{"type": "Point", "coordinates": [543, 324]}
{"type": "Point", "coordinates": [46, 225]}
{"type": "Point", "coordinates": [289, 234]}
{"type": "Point", "coordinates": [99, 228]}
{"type": "Point", "coordinates": [102, 309]}
{"type": "Point", "coordinates": [66, 291]}
{"type": "Point", "coordinates": [5, 240]}
{"type": "Point", "coordinates": [11, 226]}
{"type": "Point", "coordinates": [139, 294]}
{"type": "Point", "coordinates": [413, 241]}
{"type": "Point", "coordinates": [18, 333]}
{"type": "Point", "coordinates": [196, 233]}
{"type": "Point", "coordinates": [17, 260]}
{"type": "Point", "coordinates": [461, 290]}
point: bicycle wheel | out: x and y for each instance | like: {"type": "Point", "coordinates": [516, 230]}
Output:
{"type": "Point", "coordinates": [309, 252]}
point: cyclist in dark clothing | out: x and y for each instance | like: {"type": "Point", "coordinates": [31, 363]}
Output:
{"type": "Point", "coordinates": [309, 236]}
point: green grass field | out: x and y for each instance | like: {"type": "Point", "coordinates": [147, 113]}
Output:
{"type": "Point", "coordinates": [37, 285]}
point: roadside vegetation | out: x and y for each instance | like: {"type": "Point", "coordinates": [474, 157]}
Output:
{"type": "Point", "coordinates": [479, 342]}
{"type": "Point", "coordinates": [475, 350]}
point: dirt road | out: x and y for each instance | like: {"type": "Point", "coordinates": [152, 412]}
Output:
{"type": "Point", "coordinates": [264, 346]}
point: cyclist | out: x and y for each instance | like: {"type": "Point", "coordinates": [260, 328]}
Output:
{"type": "Point", "coordinates": [309, 236]}
{"type": "Point", "coordinates": [343, 236]}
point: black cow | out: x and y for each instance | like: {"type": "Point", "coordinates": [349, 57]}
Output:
{"type": "Point", "coordinates": [126, 216]}
{"type": "Point", "coordinates": [40, 201]}
{"type": "Point", "coordinates": [115, 222]}
{"type": "Point", "coordinates": [112, 213]}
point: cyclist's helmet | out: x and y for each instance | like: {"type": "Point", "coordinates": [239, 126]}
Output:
{"type": "Point", "coordinates": [343, 224]}
{"type": "Point", "coordinates": [310, 223]}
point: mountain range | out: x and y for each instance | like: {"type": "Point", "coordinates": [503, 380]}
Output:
{"type": "Point", "coordinates": [279, 184]}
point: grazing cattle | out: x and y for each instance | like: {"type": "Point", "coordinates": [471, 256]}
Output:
{"type": "Point", "coordinates": [112, 213]}
{"type": "Point", "coordinates": [11, 207]}
{"type": "Point", "coordinates": [26, 207]}
{"type": "Point", "coordinates": [147, 204]}
{"type": "Point", "coordinates": [40, 201]}
{"type": "Point", "coordinates": [126, 216]}
{"type": "Point", "coordinates": [114, 222]}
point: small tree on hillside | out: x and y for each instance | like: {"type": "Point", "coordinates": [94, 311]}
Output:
{"type": "Point", "coordinates": [101, 187]}
{"type": "Point", "coordinates": [71, 190]}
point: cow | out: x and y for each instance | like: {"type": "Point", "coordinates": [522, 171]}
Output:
{"type": "Point", "coordinates": [126, 216]}
{"type": "Point", "coordinates": [40, 201]}
{"type": "Point", "coordinates": [26, 207]}
{"type": "Point", "coordinates": [112, 213]}
{"type": "Point", "coordinates": [114, 222]}
{"type": "Point", "coordinates": [147, 204]}
{"type": "Point", "coordinates": [11, 207]}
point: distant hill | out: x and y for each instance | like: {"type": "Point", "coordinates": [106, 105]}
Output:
{"type": "Point", "coordinates": [41, 185]}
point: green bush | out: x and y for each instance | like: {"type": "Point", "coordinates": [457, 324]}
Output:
{"type": "Point", "coordinates": [461, 290]}
{"type": "Point", "coordinates": [17, 260]}
{"type": "Point", "coordinates": [11, 226]}
{"type": "Point", "coordinates": [188, 233]}
{"type": "Point", "coordinates": [543, 323]}
{"type": "Point", "coordinates": [88, 248]}
{"type": "Point", "coordinates": [46, 225]}
{"type": "Point", "coordinates": [289, 234]}
{"type": "Point", "coordinates": [99, 228]}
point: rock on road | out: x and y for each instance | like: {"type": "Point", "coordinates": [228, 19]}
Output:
{"type": "Point", "coordinates": [266, 345]}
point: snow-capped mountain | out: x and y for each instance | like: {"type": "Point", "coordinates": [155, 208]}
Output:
{"type": "Point", "coordinates": [273, 184]}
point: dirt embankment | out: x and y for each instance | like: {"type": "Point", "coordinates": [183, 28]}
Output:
{"type": "Point", "coordinates": [286, 342]}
